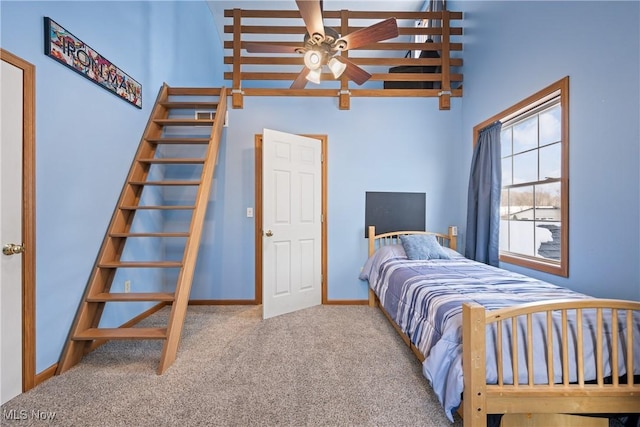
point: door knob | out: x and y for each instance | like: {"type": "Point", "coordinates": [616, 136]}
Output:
{"type": "Point", "coordinates": [269, 233]}
{"type": "Point", "coordinates": [12, 249]}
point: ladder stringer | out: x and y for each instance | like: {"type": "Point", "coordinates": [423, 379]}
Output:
{"type": "Point", "coordinates": [185, 277]}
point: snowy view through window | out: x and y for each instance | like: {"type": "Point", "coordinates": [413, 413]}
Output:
{"type": "Point", "coordinates": [530, 211]}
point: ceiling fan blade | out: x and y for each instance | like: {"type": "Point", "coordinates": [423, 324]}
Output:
{"type": "Point", "coordinates": [311, 12]}
{"type": "Point", "coordinates": [383, 30]}
{"type": "Point", "coordinates": [269, 48]}
{"type": "Point", "coordinates": [354, 72]}
{"type": "Point", "coordinates": [301, 81]}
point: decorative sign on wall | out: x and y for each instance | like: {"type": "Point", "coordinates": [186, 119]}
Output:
{"type": "Point", "coordinates": [66, 48]}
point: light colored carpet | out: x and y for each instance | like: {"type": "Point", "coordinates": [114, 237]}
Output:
{"type": "Point", "coordinates": [323, 366]}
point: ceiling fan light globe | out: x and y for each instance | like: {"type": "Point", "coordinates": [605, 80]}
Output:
{"type": "Point", "coordinates": [314, 76]}
{"type": "Point", "coordinates": [336, 67]}
{"type": "Point", "coordinates": [313, 59]}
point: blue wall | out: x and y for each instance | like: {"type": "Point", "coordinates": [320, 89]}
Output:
{"type": "Point", "coordinates": [86, 139]}
{"type": "Point", "coordinates": [512, 49]}
{"type": "Point", "coordinates": [378, 145]}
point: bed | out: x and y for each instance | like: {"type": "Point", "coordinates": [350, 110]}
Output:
{"type": "Point", "coordinates": [464, 320]}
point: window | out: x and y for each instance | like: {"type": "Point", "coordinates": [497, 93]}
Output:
{"type": "Point", "coordinates": [534, 220]}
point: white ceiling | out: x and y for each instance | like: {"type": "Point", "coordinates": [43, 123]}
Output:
{"type": "Point", "coordinates": [218, 7]}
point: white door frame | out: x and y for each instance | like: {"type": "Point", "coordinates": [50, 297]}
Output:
{"type": "Point", "coordinates": [258, 215]}
{"type": "Point", "coordinates": [28, 220]}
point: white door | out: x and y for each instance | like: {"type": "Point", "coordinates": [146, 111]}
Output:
{"type": "Point", "coordinates": [292, 227]}
{"type": "Point", "coordinates": [11, 89]}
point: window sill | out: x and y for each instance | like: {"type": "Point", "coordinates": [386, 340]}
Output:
{"type": "Point", "coordinates": [551, 267]}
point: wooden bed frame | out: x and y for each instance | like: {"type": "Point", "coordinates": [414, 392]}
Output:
{"type": "Point", "coordinates": [551, 402]}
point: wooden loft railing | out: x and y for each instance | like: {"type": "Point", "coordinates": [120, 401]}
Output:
{"type": "Point", "coordinates": [271, 74]}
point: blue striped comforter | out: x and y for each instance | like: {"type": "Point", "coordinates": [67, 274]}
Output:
{"type": "Point", "coordinates": [425, 299]}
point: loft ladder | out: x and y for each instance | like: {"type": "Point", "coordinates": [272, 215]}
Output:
{"type": "Point", "coordinates": [200, 114]}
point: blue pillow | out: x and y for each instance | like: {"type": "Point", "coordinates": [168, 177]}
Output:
{"type": "Point", "coordinates": [423, 246]}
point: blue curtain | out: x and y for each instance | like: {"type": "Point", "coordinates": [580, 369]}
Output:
{"type": "Point", "coordinates": [483, 209]}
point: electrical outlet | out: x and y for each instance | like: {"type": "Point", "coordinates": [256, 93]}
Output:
{"type": "Point", "coordinates": [127, 286]}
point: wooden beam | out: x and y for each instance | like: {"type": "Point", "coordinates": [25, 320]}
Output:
{"type": "Point", "coordinates": [344, 102]}
{"type": "Point", "coordinates": [445, 94]}
{"type": "Point", "coordinates": [236, 88]}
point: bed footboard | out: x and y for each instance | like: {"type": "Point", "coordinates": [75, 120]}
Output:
{"type": "Point", "coordinates": [576, 327]}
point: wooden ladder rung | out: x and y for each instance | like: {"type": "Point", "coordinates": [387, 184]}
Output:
{"type": "Point", "coordinates": [177, 161]}
{"type": "Point", "coordinates": [181, 234]}
{"type": "Point", "coordinates": [121, 334]}
{"type": "Point", "coordinates": [141, 264]}
{"type": "Point", "coordinates": [174, 183]}
{"type": "Point", "coordinates": [158, 207]}
{"type": "Point", "coordinates": [196, 91]}
{"type": "Point", "coordinates": [187, 141]}
{"type": "Point", "coordinates": [174, 105]}
{"type": "Point", "coordinates": [137, 296]}
{"type": "Point", "coordinates": [184, 122]}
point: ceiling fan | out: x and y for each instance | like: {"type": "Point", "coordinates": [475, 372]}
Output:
{"type": "Point", "coordinates": [322, 46]}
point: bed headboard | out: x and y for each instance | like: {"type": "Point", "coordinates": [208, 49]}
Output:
{"type": "Point", "coordinates": [390, 211]}
{"type": "Point", "coordinates": [449, 240]}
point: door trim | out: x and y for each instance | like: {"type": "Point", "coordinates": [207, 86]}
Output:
{"type": "Point", "coordinates": [258, 215]}
{"type": "Point", "coordinates": [28, 219]}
